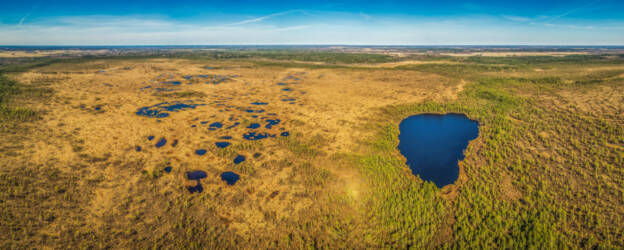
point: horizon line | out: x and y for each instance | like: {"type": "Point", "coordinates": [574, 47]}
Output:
{"type": "Point", "coordinates": [303, 44]}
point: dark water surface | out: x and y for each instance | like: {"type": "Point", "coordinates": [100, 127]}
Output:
{"type": "Point", "coordinates": [239, 159]}
{"type": "Point", "coordinates": [252, 136]}
{"type": "Point", "coordinates": [433, 145]}
{"type": "Point", "coordinates": [196, 175]}
{"type": "Point", "coordinates": [230, 177]}
{"type": "Point", "coordinates": [161, 142]}
{"type": "Point", "coordinates": [161, 110]}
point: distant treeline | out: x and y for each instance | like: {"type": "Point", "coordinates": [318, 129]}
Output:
{"type": "Point", "coordinates": [346, 55]}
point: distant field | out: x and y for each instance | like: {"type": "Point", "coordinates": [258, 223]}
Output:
{"type": "Point", "coordinates": [78, 167]}
{"type": "Point", "coordinates": [13, 53]}
{"type": "Point", "coordinates": [47, 53]}
{"type": "Point", "coordinates": [506, 53]}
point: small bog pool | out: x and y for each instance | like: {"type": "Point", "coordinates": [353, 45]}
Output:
{"type": "Point", "coordinates": [196, 175]}
{"type": "Point", "coordinates": [230, 177]}
{"type": "Point", "coordinates": [434, 144]}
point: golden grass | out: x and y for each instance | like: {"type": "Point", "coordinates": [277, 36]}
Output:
{"type": "Point", "coordinates": [323, 186]}
{"type": "Point", "coordinates": [283, 184]}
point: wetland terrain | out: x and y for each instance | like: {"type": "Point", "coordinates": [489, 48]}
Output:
{"type": "Point", "coordinates": [309, 148]}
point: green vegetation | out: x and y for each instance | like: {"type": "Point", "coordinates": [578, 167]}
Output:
{"type": "Point", "coordinates": [539, 60]}
{"type": "Point", "coordinates": [545, 172]}
{"type": "Point", "coordinates": [539, 176]}
{"type": "Point", "coordinates": [305, 56]}
{"type": "Point", "coordinates": [9, 89]}
{"type": "Point", "coordinates": [274, 55]}
{"type": "Point", "coordinates": [458, 70]}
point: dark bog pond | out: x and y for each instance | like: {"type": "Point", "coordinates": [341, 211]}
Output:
{"type": "Point", "coordinates": [161, 110]}
{"type": "Point", "coordinates": [215, 125]}
{"type": "Point", "coordinates": [229, 177]}
{"type": "Point", "coordinates": [271, 122]}
{"type": "Point", "coordinates": [252, 136]}
{"type": "Point", "coordinates": [172, 82]}
{"type": "Point", "coordinates": [239, 159]}
{"type": "Point", "coordinates": [161, 142]}
{"type": "Point", "coordinates": [196, 175]}
{"type": "Point", "coordinates": [233, 125]}
{"type": "Point", "coordinates": [433, 145]}
{"type": "Point", "coordinates": [253, 126]}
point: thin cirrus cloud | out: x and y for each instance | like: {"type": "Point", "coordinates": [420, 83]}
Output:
{"type": "Point", "coordinates": [552, 19]}
{"type": "Point", "coordinates": [576, 9]}
{"type": "Point", "coordinates": [262, 18]}
{"type": "Point", "coordinates": [21, 21]}
{"type": "Point", "coordinates": [516, 18]}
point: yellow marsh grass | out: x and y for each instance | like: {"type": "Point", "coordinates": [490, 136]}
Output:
{"type": "Point", "coordinates": [286, 183]}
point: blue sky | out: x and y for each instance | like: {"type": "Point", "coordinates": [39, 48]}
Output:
{"type": "Point", "coordinates": [25, 22]}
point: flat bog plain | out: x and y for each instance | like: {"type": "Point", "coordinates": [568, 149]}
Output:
{"type": "Point", "coordinates": [300, 148]}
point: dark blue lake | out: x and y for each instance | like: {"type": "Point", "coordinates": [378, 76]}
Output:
{"type": "Point", "coordinates": [433, 145]}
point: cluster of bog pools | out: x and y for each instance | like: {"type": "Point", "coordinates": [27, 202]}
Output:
{"type": "Point", "coordinates": [229, 177]}
{"type": "Point", "coordinates": [161, 110]}
{"type": "Point", "coordinates": [287, 85]}
{"type": "Point", "coordinates": [163, 82]}
{"type": "Point", "coordinates": [265, 122]}
{"type": "Point", "coordinates": [166, 85]}
{"type": "Point", "coordinates": [161, 142]}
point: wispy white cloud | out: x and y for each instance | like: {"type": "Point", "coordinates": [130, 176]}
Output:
{"type": "Point", "coordinates": [298, 27]}
{"type": "Point", "coordinates": [516, 18]}
{"type": "Point", "coordinates": [262, 18]}
{"type": "Point", "coordinates": [605, 28]}
{"type": "Point", "coordinates": [551, 21]}
{"type": "Point", "coordinates": [365, 16]}
{"type": "Point", "coordinates": [21, 21]}
{"type": "Point", "coordinates": [580, 8]}
{"type": "Point", "coordinates": [112, 21]}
